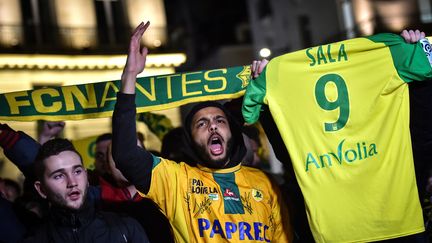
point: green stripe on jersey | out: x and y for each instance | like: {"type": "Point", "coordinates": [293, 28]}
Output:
{"type": "Point", "coordinates": [230, 193]}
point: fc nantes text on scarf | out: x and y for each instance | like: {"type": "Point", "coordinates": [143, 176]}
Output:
{"type": "Point", "coordinates": [96, 100]}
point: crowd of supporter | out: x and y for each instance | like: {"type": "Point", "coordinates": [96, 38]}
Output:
{"type": "Point", "coordinates": [137, 195]}
{"type": "Point", "coordinates": [23, 210]}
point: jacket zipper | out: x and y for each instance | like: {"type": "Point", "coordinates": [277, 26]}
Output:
{"type": "Point", "coordinates": [74, 229]}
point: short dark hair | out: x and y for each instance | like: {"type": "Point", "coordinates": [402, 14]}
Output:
{"type": "Point", "coordinates": [199, 106]}
{"type": "Point", "coordinates": [104, 137]}
{"type": "Point", "coordinates": [50, 148]}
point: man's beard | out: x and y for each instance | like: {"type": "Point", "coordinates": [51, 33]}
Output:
{"type": "Point", "coordinates": [203, 154]}
{"type": "Point", "coordinates": [58, 200]}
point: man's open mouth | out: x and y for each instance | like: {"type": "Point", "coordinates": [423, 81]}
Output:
{"type": "Point", "coordinates": [215, 145]}
{"type": "Point", "coordinates": [74, 195]}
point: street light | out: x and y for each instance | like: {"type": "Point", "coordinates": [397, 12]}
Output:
{"type": "Point", "coordinates": [265, 52]}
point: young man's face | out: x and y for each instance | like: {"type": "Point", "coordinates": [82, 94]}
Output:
{"type": "Point", "coordinates": [212, 136]}
{"type": "Point", "coordinates": [64, 181]}
{"type": "Point", "coordinates": [101, 162]}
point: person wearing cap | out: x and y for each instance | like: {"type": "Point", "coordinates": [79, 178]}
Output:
{"type": "Point", "coordinates": [216, 200]}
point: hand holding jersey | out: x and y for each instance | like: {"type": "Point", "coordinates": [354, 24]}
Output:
{"type": "Point", "coordinates": [257, 67]}
{"type": "Point", "coordinates": [412, 36]}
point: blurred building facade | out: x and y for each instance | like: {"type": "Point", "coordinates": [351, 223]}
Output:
{"type": "Point", "coordinates": [286, 26]}
{"type": "Point", "coordinates": [62, 42]}
{"type": "Point", "coordinates": [229, 33]}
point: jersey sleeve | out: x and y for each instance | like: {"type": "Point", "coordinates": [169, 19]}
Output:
{"type": "Point", "coordinates": [410, 60]}
{"type": "Point", "coordinates": [254, 98]}
{"type": "Point", "coordinates": [164, 185]}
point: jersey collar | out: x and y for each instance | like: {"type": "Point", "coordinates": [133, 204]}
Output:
{"type": "Point", "coordinates": [221, 171]}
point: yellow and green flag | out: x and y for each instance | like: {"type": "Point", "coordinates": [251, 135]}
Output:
{"type": "Point", "coordinates": [86, 148]}
{"type": "Point", "coordinates": [95, 100]}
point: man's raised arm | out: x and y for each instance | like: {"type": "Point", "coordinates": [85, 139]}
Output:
{"type": "Point", "coordinates": [134, 162]}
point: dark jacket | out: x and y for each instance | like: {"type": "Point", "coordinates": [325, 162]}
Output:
{"type": "Point", "coordinates": [12, 230]}
{"type": "Point", "coordinates": [22, 152]}
{"type": "Point", "coordinates": [62, 225]}
{"type": "Point", "coordinates": [134, 162]}
{"type": "Point", "coordinates": [88, 225]}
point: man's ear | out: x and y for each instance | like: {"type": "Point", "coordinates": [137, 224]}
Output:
{"type": "Point", "coordinates": [40, 189]}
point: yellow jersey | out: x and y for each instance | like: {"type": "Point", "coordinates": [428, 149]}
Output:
{"type": "Point", "coordinates": [238, 204]}
{"type": "Point", "coordinates": [342, 110]}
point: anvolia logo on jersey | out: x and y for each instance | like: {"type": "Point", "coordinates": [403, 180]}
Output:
{"type": "Point", "coordinates": [351, 154]}
{"type": "Point", "coordinates": [197, 187]}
